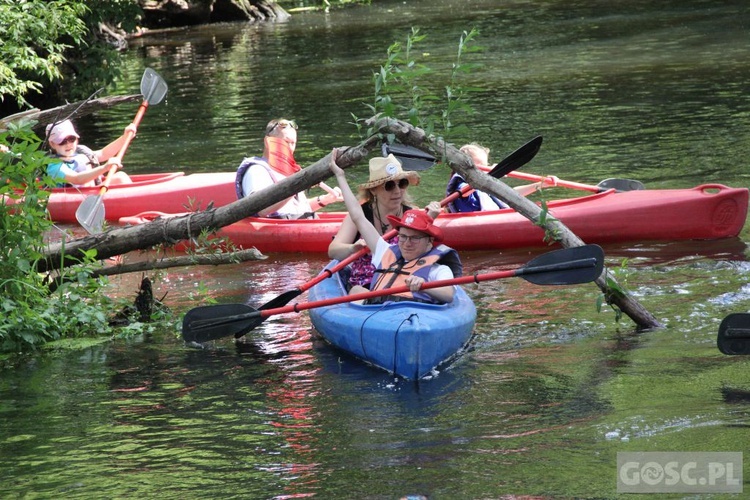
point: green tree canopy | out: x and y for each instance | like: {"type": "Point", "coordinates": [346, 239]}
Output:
{"type": "Point", "coordinates": [54, 47]}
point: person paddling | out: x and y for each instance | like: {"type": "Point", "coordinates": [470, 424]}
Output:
{"type": "Point", "coordinates": [414, 260]}
{"type": "Point", "coordinates": [477, 201]}
{"type": "Point", "coordinates": [277, 163]}
{"type": "Point", "coordinates": [384, 194]}
{"type": "Point", "coordinates": [79, 165]}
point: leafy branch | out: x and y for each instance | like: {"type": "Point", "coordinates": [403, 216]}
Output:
{"type": "Point", "coordinates": [400, 93]}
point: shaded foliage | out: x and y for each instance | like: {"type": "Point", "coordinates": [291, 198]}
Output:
{"type": "Point", "coordinates": [51, 49]}
{"type": "Point", "coordinates": [30, 315]}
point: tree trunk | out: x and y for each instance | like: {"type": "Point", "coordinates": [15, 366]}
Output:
{"type": "Point", "coordinates": [175, 13]}
{"type": "Point", "coordinates": [74, 110]}
{"type": "Point", "coordinates": [461, 163]}
{"type": "Point", "coordinates": [121, 240]}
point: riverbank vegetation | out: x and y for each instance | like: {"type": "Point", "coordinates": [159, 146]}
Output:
{"type": "Point", "coordinates": [61, 50]}
{"type": "Point", "coordinates": [38, 308]}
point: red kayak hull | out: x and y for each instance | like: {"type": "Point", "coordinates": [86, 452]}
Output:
{"type": "Point", "coordinates": [167, 192]}
{"type": "Point", "coordinates": [706, 212]}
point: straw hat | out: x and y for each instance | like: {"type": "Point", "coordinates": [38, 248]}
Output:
{"type": "Point", "coordinates": [417, 220]}
{"type": "Point", "coordinates": [387, 169]}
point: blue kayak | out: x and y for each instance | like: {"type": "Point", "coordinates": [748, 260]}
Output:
{"type": "Point", "coordinates": [408, 339]}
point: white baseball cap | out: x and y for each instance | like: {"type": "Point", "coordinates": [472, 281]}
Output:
{"type": "Point", "coordinates": [62, 131]}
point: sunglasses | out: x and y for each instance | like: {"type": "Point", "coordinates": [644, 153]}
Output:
{"type": "Point", "coordinates": [285, 124]}
{"type": "Point", "coordinates": [402, 184]}
{"type": "Point", "coordinates": [414, 238]}
{"type": "Point", "coordinates": [67, 140]}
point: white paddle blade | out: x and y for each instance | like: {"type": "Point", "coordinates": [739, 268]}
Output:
{"type": "Point", "coordinates": [153, 87]}
{"type": "Point", "coordinates": [90, 214]}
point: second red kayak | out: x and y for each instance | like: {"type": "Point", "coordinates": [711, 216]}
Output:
{"type": "Point", "coordinates": [706, 212]}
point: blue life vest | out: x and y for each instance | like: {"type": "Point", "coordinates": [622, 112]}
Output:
{"type": "Point", "coordinates": [471, 203]}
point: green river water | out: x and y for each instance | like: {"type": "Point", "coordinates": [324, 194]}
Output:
{"type": "Point", "coordinates": [548, 391]}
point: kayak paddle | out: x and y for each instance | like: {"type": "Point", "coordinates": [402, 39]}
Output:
{"type": "Point", "coordinates": [568, 266]}
{"type": "Point", "coordinates": [515, 160]}
{"type": "Point", "coordinates": [90, 213]}
{"type": "Point", "coordinates": [411, 158]}
{"type": "Point", "coordinates": [734, 334]}
{"type": "Point", "coordinates": [616, 184]}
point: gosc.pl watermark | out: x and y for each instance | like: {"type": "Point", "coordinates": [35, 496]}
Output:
{"type": "Point", "coordinates": [679, 472]}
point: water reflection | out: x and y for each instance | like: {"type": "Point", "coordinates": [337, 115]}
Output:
{"type": "Point", "coordinates": [550, 388]}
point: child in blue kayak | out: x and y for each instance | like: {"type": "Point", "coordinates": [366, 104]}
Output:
{"type": "Point", "coordinates": [416, 258]}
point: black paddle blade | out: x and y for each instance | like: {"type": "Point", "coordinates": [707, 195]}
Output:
{"type": "Point", "coordinates": [410, 157]}
{"type": "Point", "coordinates": [568, 266]}
{"type": "Point", "coordinates": [734, 334]}
{"type": "Point", "coordinates": [621, 185]}
{"type": "Point", "coordinates": [205, 323]}
{"type": "Point", "coordinates": [517, 158]}
{"type": "Point", "coordinates": [281, 300]}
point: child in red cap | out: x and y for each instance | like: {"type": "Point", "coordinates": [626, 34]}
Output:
{"type": "Point", "coordinates": [414, 261]}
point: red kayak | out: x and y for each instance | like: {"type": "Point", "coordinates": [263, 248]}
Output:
{"type": "Point", "coordinates": [166, 192]}
{"type": "Point", "coordinates": [706, 212]}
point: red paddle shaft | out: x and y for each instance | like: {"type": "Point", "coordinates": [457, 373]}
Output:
{"type": "Point", "coordinates": [592, 265]}
{"type": "Point", "coordinates": [128, 139]}
{"type": "Point", "coordinates": [327, 273]}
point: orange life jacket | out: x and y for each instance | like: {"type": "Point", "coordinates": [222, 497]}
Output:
{"type": "Point", "coordinates": [395, 270]}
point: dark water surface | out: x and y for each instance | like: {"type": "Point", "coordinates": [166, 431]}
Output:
{"type": "Point", "coordinates": [548, 391]}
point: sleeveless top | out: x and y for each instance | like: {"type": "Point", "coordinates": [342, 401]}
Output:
{"type": "Point", "coordinates": [362, 268]}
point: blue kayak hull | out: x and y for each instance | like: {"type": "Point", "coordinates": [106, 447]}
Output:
{"type": "Point", "coordinates": [408, 339]}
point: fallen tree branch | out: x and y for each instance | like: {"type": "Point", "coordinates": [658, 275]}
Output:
{"type": "Point", "coordinates": [60, 112]}
{"type": "Point", "coordinates": [121, 240]}
{"type": "Point", "coordinates": [461, 163]}
{"type": "Point", "coordinates": [183, 260]}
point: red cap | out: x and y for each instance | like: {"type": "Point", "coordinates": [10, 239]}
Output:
{"type": "Point", "coordinates": [419, 221]}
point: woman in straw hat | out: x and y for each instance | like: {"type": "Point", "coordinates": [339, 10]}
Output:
{"type": "Point", "coordinates": [383, 195]}
{"type": "Point", "coordinates": [78, 165]}
{"type": "Point", "coordinates": [416, 258]}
